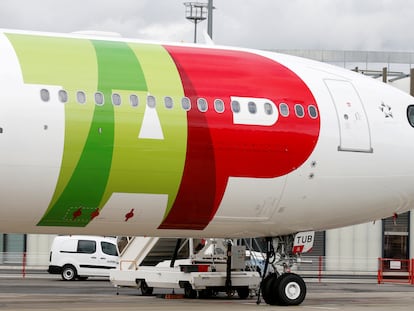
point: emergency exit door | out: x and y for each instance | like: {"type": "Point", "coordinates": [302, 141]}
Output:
{"type": "Point", "coordinates": [354, 129]}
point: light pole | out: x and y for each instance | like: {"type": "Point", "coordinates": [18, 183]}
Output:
{"type": "Point", "coordinates": [195, 12]}
{"type": "Point", "coordinates": [210, 19]}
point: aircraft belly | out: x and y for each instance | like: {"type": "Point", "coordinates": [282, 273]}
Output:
{"type": "Point", "coordinates": [250, 199]}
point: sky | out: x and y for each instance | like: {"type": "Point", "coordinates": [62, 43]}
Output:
{"type": "Point", "coordinates": [371, 25]}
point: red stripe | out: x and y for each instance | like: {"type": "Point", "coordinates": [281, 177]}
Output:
{"type": "Point", "coordinates": [217, 148]}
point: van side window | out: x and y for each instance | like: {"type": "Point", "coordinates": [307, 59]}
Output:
{"type": "Point", "coordinates": [86, 247]}
{"type": "Point", "coordinates": [109, 249]}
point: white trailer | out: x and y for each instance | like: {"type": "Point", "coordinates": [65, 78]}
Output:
{"type": "Point", "coordinates": [194, 279]}
{"type": "Point", "coordinates": [201, 275]}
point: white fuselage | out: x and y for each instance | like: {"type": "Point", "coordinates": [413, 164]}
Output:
{"type": "Point", "coordinates": [359, 170]}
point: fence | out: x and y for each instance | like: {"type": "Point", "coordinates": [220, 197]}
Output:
{"type": "Point", "coordinates": [395, 270]}
{"type": "Point", "coordinates": [23, 262]}
{"type": "Point", "coordinates": [318, 267]}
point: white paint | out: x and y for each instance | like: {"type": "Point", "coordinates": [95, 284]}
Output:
{"type": "Point", "coordinates": [244, 116]}
{"type": "Point", "coordinates": [148, 210]}
{"type": "Point", "coordinates": [151, 125]}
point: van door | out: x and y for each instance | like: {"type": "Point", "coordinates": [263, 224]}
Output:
{"type": "Point", "coordinates": [87, 257]}
{"type": "Point", "coordinates": [108, 257]}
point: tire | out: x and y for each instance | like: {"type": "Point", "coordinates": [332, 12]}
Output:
{"type": "Point", "coordinates": [69, 273]}
{"type": "Point", "coordinates": [269, 292]}
{"type": "Point", "coordinates": [243, 292]}
{"type": "Point", "coordinates": [291, 290]}
{"type": "Point", "coordinates": [145, 289]}
{"type": "Point", "coordinates": [189, 292]}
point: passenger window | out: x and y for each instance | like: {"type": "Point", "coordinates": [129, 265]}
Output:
{"type": "Point", "coordinates": [168, 102]}
{"type": "Point", "coordinates": [284, 109]}
{"type": "Point", "coordinates": [44, 95]}
{"type": "Point", "coordinates": [81, 97]}
{"type": "Point", "coordinates": [86, 247]}
{"type": "Point", "coordinates": [410, 115]}
{"type": "Point", "coordinates": [109, 249]}
{"type": "Point", "coordinates": [313, 112]}
{"type": "Point", "coordinates": [134, 101]}
{"type": "Point", "coordinates": [235, 106]}
{"type": "Point", "coordinates": [268, 108]}
{"type": "Point", "coordinates": [186, 103]}
{"type": "Point", "coordinates": [252, 107]}
{"type": "Point", "coordinates": [300, 113]}
{"type": "Point", "coordinates": [99, 98]}
{"type": "Point", "coordinates": [202, 104]}
{"type": "Point", "coordinates": [151, 101]}
{"type": "Point", "coordinates": [63, 96]}
{"type": "Point", "coordinates": [219, 105]}
{"type": "Point", "coordinates": [116, 99]}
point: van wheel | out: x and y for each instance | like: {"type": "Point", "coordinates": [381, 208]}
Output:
{"type": "Point", "coordinates": [69, 273]}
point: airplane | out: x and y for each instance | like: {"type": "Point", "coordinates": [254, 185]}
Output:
{"type": "Point", "coordinates": [116, 136]}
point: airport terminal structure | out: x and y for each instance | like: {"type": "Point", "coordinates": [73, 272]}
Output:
{"type": "Point", "coordinates": [353, 249]}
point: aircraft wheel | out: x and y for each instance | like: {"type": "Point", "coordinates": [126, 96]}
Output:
{"type": "Point", "coordinates": [290, 289]}
{"type": "Point", "coordinates": [268, 292]}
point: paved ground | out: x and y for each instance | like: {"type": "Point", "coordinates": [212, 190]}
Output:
{"type": "Point", "coordinates": [42, 292]}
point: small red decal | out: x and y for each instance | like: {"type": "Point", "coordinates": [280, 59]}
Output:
{"type": "Point", "coordinates": [77, 213]}
{"type": "Point", "coordinates": [95, 213]}
{"type": "Point", "coordinates": [129, 215]}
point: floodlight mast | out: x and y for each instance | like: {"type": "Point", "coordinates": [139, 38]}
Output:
{"type": "Point", "coordinates": [195, 12]}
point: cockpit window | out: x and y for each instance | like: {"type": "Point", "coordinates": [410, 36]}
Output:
{"type": "Point", "coordinates": [410, 115]}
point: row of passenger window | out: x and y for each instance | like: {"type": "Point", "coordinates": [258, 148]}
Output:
{"type": "Point", "coordinates": [186, 104]}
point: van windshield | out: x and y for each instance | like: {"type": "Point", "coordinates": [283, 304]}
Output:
{"type": "Point", "coordinates": [109, 249]}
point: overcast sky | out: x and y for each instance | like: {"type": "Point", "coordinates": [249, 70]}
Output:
{"type": "Point", "coordinates": [266, 24]}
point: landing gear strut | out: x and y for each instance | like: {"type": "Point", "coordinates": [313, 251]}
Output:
{"type": "Point", "coordinates": [286, 289]}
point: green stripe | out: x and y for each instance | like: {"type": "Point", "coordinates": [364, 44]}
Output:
{"type": "Point", "coordinates": [103, 153]}
{"type": "Point", "coordinates": [86, 187]}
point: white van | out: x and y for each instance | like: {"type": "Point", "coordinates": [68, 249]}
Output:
{"type": "Point", "coordinates": [78, 257]}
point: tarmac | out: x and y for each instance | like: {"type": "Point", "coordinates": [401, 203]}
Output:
{"type": "Point", "coordinates": [40, 291]}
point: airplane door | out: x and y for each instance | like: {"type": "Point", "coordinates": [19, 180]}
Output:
{"type": "Point", "coordinates": [354, 129]}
